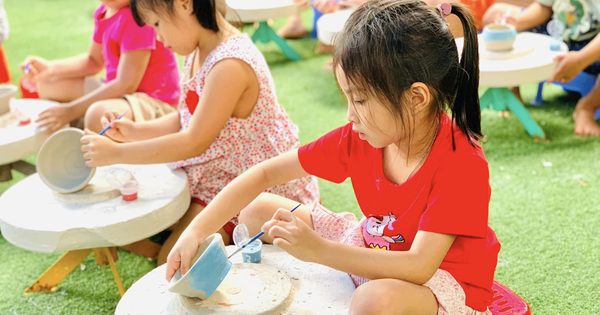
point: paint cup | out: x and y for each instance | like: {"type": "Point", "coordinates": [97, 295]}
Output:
{"type": "Point", "coordinates": [252, 252]}
{"type": "Point", "coordinates": [499, 37]}
{"type": "Point", "coordinates": [60, 162]}
{"type": "Point", "coordinates": [129, 190]}
{"type": "Point", "coordinates": [209, 267]}
{"type": "Point", "coordinates": [124, 181]}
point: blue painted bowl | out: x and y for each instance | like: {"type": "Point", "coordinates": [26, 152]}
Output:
{"type": "Point", "coordinates": [499, 37]}
{"type": "Point", "coordinates": [209, 268]}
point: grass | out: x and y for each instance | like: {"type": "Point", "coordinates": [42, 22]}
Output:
{"type": "Point", "coordinates": [545, 216]}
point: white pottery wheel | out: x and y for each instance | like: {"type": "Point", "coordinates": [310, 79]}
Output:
{"type": "Point", "coordinates": [32, 218]}
{"type": "Point", "coordinates": [316, 290]}
{"type": "Point", "coordinates": [516, 68]}
{"type": "Point", "coordinates": [18, 142]}
{"type": "Point", "coordinates": [329, 25]}
{"type": "Point", "coordinates": [260, 10]}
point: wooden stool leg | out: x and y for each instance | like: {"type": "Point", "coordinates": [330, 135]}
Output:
{"type": "Point", "coordinates": [145, 248]}
{"type": "Point", "coordinates": [59, 270]}
{"type": "Point", "coordinates": [113, 268]}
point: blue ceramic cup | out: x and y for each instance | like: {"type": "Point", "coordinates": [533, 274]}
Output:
{"type": "Point", "coordinates": [209, 268]}
{"type": "Point", "coordinates": [499, 37]}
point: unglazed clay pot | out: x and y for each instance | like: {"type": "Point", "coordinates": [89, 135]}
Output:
{"type": "Point", "coordinates": [6, 93]}
{"type": "Point", "coordinates": [209, 268]}
{"type": "Point", "coordinates": [499, 37]}
{"type": "Point", "coordinates": [60, 162]}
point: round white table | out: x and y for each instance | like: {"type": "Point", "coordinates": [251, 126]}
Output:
{"type": "Point", "coordinates": [531, 61]}
{"type": "Point", "coordinates": [33, 218]}
{"type": "Point", "coordinates": [318, 289]}
{"type": "Point", "coordinates": [329, 25]}
{"type": "Point", "coordinates": [18, 142]}
{"type": "Point", "coordinates": [260, 11]}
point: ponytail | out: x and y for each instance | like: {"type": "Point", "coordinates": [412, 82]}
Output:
{"type": "Point", "coordinates": [466, 112]}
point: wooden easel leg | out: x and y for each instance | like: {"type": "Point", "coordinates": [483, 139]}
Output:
{"type": "Point", "coordinates": [145, 248]}
{"type": "Point", "coordinates": [59, 270]}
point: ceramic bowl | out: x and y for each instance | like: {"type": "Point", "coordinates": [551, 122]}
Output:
{"type": "Point", "coordinates": [499, 37]}
{"type": "Point", "coordinates": [60, 162]}
{"type": "Point", "coordinates": [209, 268]}
{"type": "Point", "coordinates": [6, 93]}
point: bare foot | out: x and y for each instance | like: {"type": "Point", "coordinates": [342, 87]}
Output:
{"type": "Point", "coordinates": [293, 29]}
{"type": "Point", "coordinates": [585, 124]}
{"type": "Point", "coordinates": [323, 48]}
{"type": "Point", "coordinates": [517, 92]}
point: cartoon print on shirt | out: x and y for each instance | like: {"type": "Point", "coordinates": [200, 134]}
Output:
{"type": "Point", "coordinates": [379, 232]}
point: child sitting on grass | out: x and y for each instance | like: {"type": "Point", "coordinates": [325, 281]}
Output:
{"type": "Point", "coordinates": [229, 118]}
{"type": "Point", "coordinates": [419, 174]}
{"type": "Point", "coordinates": [142, 75]}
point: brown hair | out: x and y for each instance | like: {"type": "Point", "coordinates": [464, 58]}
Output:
{"type": "Point", "coordinates": [388, 45]}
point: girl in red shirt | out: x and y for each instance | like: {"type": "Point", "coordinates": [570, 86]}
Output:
{"type": "Point", "coordinates": [419, 175]}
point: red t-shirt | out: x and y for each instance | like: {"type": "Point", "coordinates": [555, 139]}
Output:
{"type": "Point", "coordinates": [449, 194]}
{"type": "Point", "coordinates": [119, 34]}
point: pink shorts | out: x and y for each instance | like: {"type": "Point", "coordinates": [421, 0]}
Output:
{"type": "Point", "coordinates": [346, 229]}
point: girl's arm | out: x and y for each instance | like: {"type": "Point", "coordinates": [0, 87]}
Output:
{"type": "Point", "coordinates": [230, 201]}
{"type": "Point", "coordinates": [131, 69]}
{"type": "Point", "coordinates": [573, 62]}
{"type": "Point", "coordinates": [73, 67]}
{"type": "Point", "coordinates": [225, 84]}
{"type": "Point", "coordinates": [416, 265]}
{"type": "Point", "coordinates": [535, 14]}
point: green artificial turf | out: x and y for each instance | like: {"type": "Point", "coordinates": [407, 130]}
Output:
{"type": "Point", "coordinates": [547, 217]}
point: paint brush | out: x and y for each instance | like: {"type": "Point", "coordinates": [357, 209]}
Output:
{"type": "Point", "coordinates": [108, 127]}
{"type": "Point", "coordinates": [256, 236]}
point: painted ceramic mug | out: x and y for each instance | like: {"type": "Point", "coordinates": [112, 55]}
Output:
{"type": "Point", "coordinates": [60, 162]}
{"type": "Point", "coordinates": [499, 37]}
{"type": "Point", "coordinates": [209, 268]}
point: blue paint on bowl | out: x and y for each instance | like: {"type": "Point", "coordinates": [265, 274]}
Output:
{"type": "Point", "coordinates": [252, 252]}
{"type": "Point", "coordinates": [499, 37]}
{"type": "Point", "coordinates": [210, 267]}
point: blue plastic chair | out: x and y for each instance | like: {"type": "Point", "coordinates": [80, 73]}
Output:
{"type": "Point", "coordinates": [582, 84]}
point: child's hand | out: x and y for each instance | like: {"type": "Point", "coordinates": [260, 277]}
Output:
{"type": "Point", "coordinates": [122, 130]}
{"type": "Point", "coordinates": [569, 65]}
{"type": "Point", "coordinates": [182, 253]}
{"type": "Point", "coordinates": [55, 118]}
{"type": "Point", "coordinates": [293, 235]}
{"type": "Point", "coordinates": [98, 150]}
{"type": "Point", "coordinates": [37, 69]}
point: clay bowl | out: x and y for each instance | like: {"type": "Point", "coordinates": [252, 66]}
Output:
{"type": "Point", "coordinates": [499, 37]}
{"type": "Point", "coordinates": [60, 162]}
{"type": "Point", "coordinates": [6, 93]}
{"type": "Point", "coordinates": [209, 268]}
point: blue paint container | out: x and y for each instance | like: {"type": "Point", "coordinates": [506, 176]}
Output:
{"type": "Point", "coordinates": [252, 252]}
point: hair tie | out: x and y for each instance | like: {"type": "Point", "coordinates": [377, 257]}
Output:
{"type": "Point", "coordinates": [445, 9]}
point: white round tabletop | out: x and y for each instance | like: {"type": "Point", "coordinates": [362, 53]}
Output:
{"type": "Point", "coordinates": [31, 217]}
{"type": "Point", "coordinates": [18, 142]}
{"type": "Point", "coordinates": [260, 10]}
{"type": "Point", "coordinates": [331, 24]}
{"type": "Point", "coordinates": [529, 62]}
{"type": "Point", "coordinates": [318, 289]}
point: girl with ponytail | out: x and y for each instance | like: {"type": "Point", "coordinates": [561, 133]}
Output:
{"type": "Point", "coordinates": [411, 151]}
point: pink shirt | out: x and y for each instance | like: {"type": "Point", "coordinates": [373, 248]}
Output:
{"type": "Point", "coordinates": [119, 34]}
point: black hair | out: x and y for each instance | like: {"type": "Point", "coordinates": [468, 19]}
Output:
{"type": "Point", "coordinates": [387, 45]}
{"type": "Point", "coordinates": [204, 10]}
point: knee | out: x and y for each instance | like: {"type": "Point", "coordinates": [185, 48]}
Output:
{"type": "Point", "coordinates": [374, 297]}
{"type": "Point", "coordinates": [257, 213]}
{"type": "Point", "coordinates": [94, 114]}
